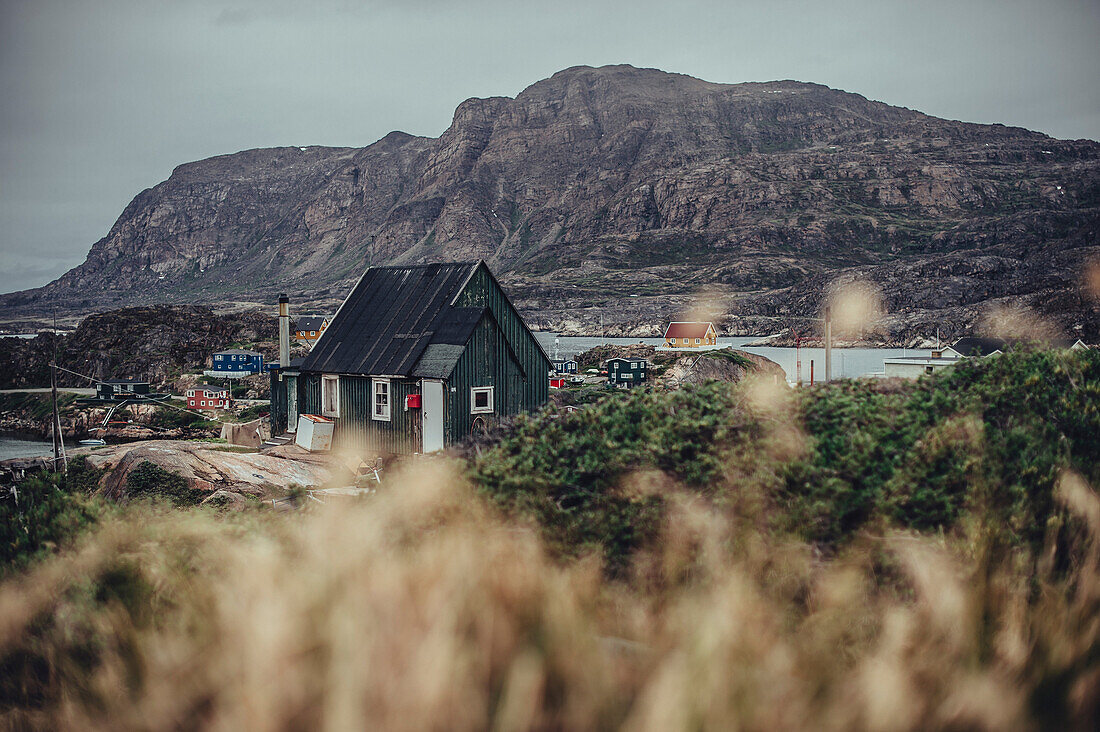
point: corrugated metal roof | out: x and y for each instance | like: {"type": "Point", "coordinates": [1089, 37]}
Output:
{"type": "Point", "coordinates": [438, 361]}
{"type": "Point", "coordinates": [310, 322]}
{"type": "Point", "coordinates": [390, 318]}
{"type": "Point", "coordinates": [687, 330]}
{"type": "Point", "coordinates": [237, 352]}
{"type": "Point", "coordinates": [976, 346]}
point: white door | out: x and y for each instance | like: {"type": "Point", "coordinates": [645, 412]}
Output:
{"type": "Point", "coordinates": [291, 403]}
{"type": "Point", "coordinates": [431, 415]}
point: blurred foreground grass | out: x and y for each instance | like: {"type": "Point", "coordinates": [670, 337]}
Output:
{"type": "Point", "coordinates": [876, 556]}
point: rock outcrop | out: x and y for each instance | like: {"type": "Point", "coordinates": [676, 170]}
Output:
{"type": "Point", "coordinates": [155, 343]}
{"type": "Point", "coordinates": [673, 369]}
{"type": "Point", "coordinates": [618, 197]}
{"type": "Point", "coordinates": [727, 364]}
{"type": "Point", "coordinates": [210, 468]}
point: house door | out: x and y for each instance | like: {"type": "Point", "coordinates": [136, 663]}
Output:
{"type": "Point", "coordinates": [431, 415]}
{"type": "Point", "coordinates": [291, 403]}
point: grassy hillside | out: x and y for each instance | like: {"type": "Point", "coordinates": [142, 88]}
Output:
{"type": "Point", "coordinates": [863, 555]}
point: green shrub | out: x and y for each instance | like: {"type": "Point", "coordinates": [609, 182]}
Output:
{"type": "Point", "coordinates": [565, 469]}
{"type": "Point", "coordinates": [43, 513]}
{"type": "Point", "coordinates": [170, 418]}
{"type": "Point", "coordinates": [992, 434]}
{"type": "Point", "coordinates": [148, 480]}
{"type": "Point", "coordinates": [1001, 429]}
{"type": "Point", "coordinates": [254, 412]}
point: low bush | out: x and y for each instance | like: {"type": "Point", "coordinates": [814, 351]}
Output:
{"type": "Point", "coordinates": [171, 418]}
{"type": "Point", "coordinates": [150, 481]}
{"type": "Point", "coordinates": [46, 512]}
{"type": "Point", "coordinates": [998, 430]}
{"type": "Point", "coordinates": [564, 468]}
{"type": "Point", "coordinates": [918, 455]}
{"type": "Point", "coordinates": [254, 411]}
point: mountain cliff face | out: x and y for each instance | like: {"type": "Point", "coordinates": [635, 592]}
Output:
{"type": "Point", "coordinates": [625, 196]}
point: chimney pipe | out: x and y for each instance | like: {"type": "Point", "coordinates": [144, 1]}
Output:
{"type": "Point", "coordinates": [284, 331]}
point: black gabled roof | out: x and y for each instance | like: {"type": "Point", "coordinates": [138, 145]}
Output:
{"type": "Point", "coordinates": [236, 352]}
{"type": "Point", "coordinates": [976, 346]}
{"type": "Point", "coordinates": [983, 346]}
{"type": "Point", "coordinates": [310, 322]}
{"type": "Point", "coordinates": [390, 318]}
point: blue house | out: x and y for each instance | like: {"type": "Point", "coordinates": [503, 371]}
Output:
{"type": "Point", "coordinates": [563, 366]}
{"type": "Point", "coordinates": [235, 364]}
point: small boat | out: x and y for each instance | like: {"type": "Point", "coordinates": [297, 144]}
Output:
{"type": "Point", "coordinates": [94, 441]}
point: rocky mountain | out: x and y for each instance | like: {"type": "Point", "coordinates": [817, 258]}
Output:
{"type": "Point", "coordinates": [618, 197]}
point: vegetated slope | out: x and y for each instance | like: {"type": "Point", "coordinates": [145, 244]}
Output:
{"type": "Point", "coordinates": [599, 184]}
{"type": "Point", "coordinates": [720, 618]}
{"type": "Point", "coordinates": [992, 433]}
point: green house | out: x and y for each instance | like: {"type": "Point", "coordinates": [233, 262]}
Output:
{"type": "Point", "coordinates": [417, 358]}
{"type": "Point", "coordinates": [623, 373]}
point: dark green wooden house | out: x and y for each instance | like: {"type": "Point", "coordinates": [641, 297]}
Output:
{"type": "Point", "coordinates": [623, 373]}
{"type": "Point", "coordinates": [417, 358]}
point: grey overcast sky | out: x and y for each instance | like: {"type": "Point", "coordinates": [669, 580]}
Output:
{"type": "Point", "coordinates": [102, 98]}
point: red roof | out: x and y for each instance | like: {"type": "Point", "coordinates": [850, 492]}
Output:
{"type": "Point", "coordinates": [687, 330]}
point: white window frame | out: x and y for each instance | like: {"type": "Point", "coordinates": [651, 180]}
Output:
{"type": "Point", "coordinates": [474, 391]}
{"type": "Point", "coordinates": [375, 414]}
{"type": "Point", "coordinates": [698, 341]}
{"type": "Point", "coordinates": [330, 409]}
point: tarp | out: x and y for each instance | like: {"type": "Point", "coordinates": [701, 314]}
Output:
{"type": "Point", "coordinates": [246, 434]}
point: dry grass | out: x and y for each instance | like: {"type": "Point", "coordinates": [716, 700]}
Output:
{"type": "Point", "coordinates": [421, 609]}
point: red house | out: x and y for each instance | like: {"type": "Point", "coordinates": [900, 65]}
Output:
{"type": "Point", "coordinates": [208, 397]}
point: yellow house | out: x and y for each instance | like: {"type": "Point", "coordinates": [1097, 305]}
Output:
{"type": "Point", "coordinates": [310, 328]}
{"type": "Point", "coordinates": [690, 335]}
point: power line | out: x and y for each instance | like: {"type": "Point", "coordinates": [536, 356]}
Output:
{"type": "Point", "coordinates": [153, 401]}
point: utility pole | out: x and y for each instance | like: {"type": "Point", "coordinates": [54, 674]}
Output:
{"type": "Point", "coordinates": [828, 344]}
{"type": "Point", "coordinates": [56, 417]}
{"type": "Point", "coordinates": [53, 392]}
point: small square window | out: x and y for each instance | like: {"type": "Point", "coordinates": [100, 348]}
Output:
{"type": "Point", "coordinates": [696, 341]}
{"type": "Point", "coordinates": [481, 400]}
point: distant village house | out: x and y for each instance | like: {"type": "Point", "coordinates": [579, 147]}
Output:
{"type": "Point", "coordinates": [310, 327]}
{"type": "Point", "coordinates": [120, 389]}
{"type": "Point", "coordinates": [235, 364]}
{"type": "Point", "coordinates": [690, 335]}
{"type": "Point", "coordinates": [562, 366]}
{"type": "Point", "coordinates": [968, 347]}
{"type": "Point", "coordinates": [623, 373]}
{"type": "Point", "coordinates": [209, 397]}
